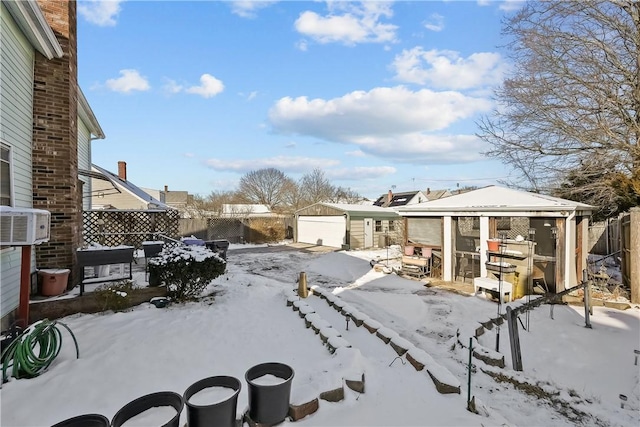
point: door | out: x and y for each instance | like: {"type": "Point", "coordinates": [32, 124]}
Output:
{"type": "Point", "coordinates": [368, 232]}
{"type": "Point", "coordinates": [322, 230]}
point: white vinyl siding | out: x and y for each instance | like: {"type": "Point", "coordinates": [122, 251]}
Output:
{"type": "Point", "coordinates": [16, 121]}
{"type": "Point", "coordinates": [16, 105]}
{"type": "Point", "coordinates": [84, 162]}
{"type": "Point", "coordinates": [322, 230]}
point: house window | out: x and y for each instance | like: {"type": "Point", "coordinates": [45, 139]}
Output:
{"type": "Point", "coordinates": [5, 175]}
{"type": "Point", "coordinates": [392, 226]}
{"type": "Point", "coordinates": [378, 226]}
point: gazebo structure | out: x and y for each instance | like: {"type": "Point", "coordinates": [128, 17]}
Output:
{"type": "Point", "coordinates": [542, 240]}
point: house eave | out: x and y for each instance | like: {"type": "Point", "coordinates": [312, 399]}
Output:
{"type": "Point", "coordinates": [86, 115]}
{"type": "Point", "coordinates": [551, 211]}
{"type": "Point", "coordinates": [33, 24]}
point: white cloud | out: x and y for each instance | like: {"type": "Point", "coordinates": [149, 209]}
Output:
{"type": "Point", "coordinates": [511, 5]}
{"type": "Point", "coordinates": [355, 153]}
{"type": "Point", "coordinates": [349, 23]}
{"type": "Point", "coordinates": [435, 22]}
{"type": "Point", "coordinates": [130, 81]}
{"type": "Point", "coordinates": [390, 123]}
{"type": "Point", "coordinates": [209, 87]}
{"type": "Point", "coordinates": [302, 45]}
{"type": "Point", "coordinates": [171, 86]}
{"type": "Point", "coordinates": [248, 9]}
{"type": "Point", "coordinates": [381, 111]}
{"type": "Point", "coordinates": [99, 12]}
{"type": "Point", "coordinates": [447, 69]}
{"type": "Point", "coordinates": [421, 148]}
{"type": "Point", "coordinates": [358, 173]}
{"type": "Point", "coordinates": [283, 163]}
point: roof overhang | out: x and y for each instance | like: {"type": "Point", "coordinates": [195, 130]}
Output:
{"type": "Point", "coordinates": [521, 211]}
{"type": "Point", "coordinates": [33, 24]}
{"type": "Point", "coordinates": [86, 115]}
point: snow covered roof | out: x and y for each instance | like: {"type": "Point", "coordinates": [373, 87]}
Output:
{"type": "Point", "coordinates": [497, 199]}
{"type": "Point", "coordinates": [129, 187]}
{"type": "Point", "coordinates": [353, 210]}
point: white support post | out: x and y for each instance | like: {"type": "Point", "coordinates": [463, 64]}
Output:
{"type": "Point", "coordinates": [447, 249]}
{"type": "Point", "coordinates": [484, 236]}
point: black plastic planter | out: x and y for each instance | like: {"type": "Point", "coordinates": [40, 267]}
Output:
{"type": "Point", "coordinates": [153, 400]}
{"type": "Point", "coordinates": [269, 403]}
{"type": "Point", "coordinates": [87, 420]}
{"type": "Point", "coordinates": [219, 414]}
{"type": "Point", "coordinates": [218, 246]}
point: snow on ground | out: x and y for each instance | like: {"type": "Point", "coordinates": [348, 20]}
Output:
{"type": "Point", "coordinates": [246, 322]}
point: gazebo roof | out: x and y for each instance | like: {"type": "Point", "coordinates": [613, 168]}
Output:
{"type": "Point", "coordinates": [497, 199]}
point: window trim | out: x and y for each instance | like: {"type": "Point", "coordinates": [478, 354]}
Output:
{"type": "Point", "coordinates": [10, 162]}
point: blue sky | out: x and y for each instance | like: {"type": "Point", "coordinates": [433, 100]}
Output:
{"type": "Point", "coordinates": [379, 95]}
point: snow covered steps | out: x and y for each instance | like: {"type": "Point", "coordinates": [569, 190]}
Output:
{"type": "Point", "coordinates": [306, 400]}
{"type": "Point", "coordinates": [444, 381]}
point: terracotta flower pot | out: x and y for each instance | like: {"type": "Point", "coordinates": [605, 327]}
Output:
{"type": "Point", "coordinates": [493, 245]}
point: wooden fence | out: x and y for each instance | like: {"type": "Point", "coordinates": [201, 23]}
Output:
{"type": "Point", "coordinates": [239, 229]}
{"type": "Point", "coordinates": [604, 237]}
{"type": "Point", "coordinates": [630, 251]}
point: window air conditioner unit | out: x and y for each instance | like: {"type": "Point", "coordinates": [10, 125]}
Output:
{"type": "Point", "coordinates": [24, 226]}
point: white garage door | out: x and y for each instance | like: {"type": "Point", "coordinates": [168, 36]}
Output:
{"type": "Point", "coordinates": [322, 230]}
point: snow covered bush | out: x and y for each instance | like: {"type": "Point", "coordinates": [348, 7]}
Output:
{"type": "Point", "coordinates": [186, 270]}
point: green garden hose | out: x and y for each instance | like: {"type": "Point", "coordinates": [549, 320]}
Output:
{"type": "Point", "coordinates": [31, 353]}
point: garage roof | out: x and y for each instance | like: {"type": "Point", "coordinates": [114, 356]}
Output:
{"type": "Point", "coordinates": [353, 210]}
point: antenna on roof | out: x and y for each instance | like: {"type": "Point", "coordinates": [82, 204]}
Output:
{"type": "Point", "coordinates": [393, 187]}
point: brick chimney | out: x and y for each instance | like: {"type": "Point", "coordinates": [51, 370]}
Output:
{"type": "Point", "coordinates": [55, 182]}
{"type": "Point", "coordinates": [122, 170]}
{"type": "Point", "coordinates": [389, 197]}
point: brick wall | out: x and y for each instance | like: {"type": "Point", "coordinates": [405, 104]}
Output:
{"type": "Point", "coordinates": [55, 142]}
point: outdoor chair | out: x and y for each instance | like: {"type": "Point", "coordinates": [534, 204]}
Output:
{"type": "Point", "coordinates": [537, 278]}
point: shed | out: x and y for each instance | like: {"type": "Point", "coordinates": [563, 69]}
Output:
{"type": "Point", "coordinates": [347, 226]}
{"type": "Point", "coordinates": [536, 232]}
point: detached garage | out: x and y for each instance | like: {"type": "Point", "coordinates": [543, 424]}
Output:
{"type": "Point", "coordinates": [347, 226]}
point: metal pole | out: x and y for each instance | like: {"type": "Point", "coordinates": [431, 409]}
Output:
{"type": "Point", "coordinates": [587, 299]}
{"type": "Point", "coordinates": [469, 370]}
{"type": "Point", "coordinates": [501, 248]}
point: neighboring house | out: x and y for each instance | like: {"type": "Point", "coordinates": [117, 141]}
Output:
{"type": "Point", "coordinates": [348, 226]}
{"type": "Point", "coordinates": [392, 200]}
{"type": "Point", "coordinates": [437, 194]}
{"type": "Point", "coordinates": [539, 234]}
{"type": "Point", "coordinates": [177, 199]}
{"type": "Point", "coordinates": [114, 191]}
{"type": "Point", "coordinates": [245, 210]}
{"type": "Point", "coordinates": [88, 130]}
{"type": "Point", "coordinates": [45, 134]}
{"type": "Point", "coordinates": [180, 200]}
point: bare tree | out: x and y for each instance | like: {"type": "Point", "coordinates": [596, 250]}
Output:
{"type": "Point", "coordinates": [315, 187]}
{"type": "Point", "coordinates": [346, 195]}
{"type": "Point", "coordinates": [571, 105]}
{"type": "Point", "coordinates": [265, 186]}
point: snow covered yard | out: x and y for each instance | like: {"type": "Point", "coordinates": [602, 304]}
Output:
{"type": "Point", "coordinates": [144, 350]}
